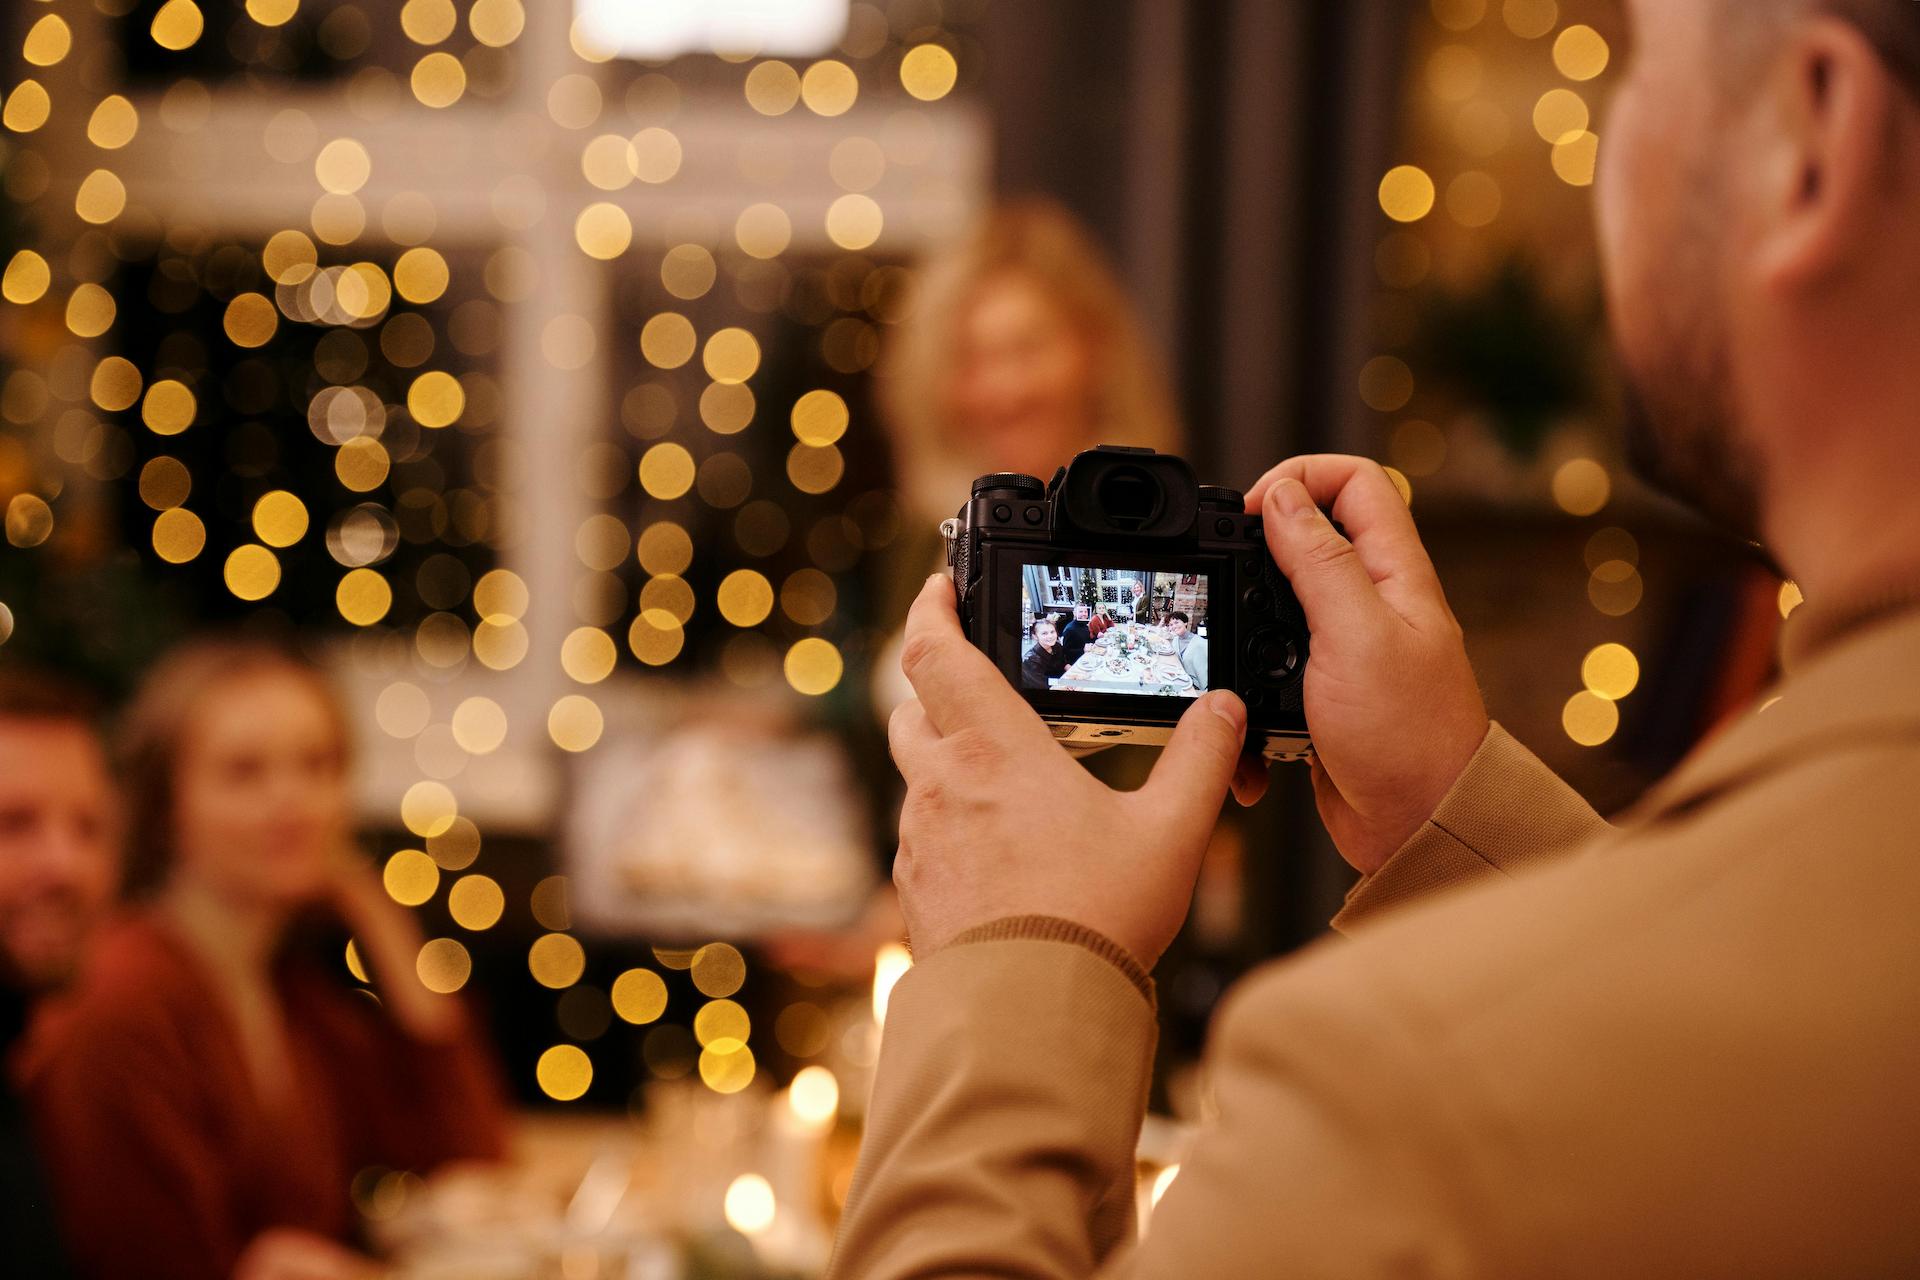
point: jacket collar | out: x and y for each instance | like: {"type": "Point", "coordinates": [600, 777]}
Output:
{"type": "Point", "coordinates": [1853, 676]}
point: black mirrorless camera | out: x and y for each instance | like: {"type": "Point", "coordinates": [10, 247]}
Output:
{"type": "Point", "coordinates": [1117, 593]}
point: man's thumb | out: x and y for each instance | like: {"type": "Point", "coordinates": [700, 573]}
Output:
{"type": "Point", "coordinates": [1192, 774]}
{"type": "Point", "coordinates": [1324, 570]}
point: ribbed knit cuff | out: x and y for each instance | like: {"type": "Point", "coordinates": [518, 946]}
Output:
{"type": "Point", "coordinates": [1507, 811]}
{"type": "Point", "coordinates": [1055, 929]}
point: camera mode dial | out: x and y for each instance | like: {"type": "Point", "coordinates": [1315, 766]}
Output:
{"type": "Point", "coordinates": [1215, 497]}
{"type": "Point", "coordinates": [1009, 483]}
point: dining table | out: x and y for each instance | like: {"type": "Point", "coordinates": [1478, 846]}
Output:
{"type": "Point", "coordinates": [1129, 658]}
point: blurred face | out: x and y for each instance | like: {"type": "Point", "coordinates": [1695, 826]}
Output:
{"type": "Point", "coordinates": [1045, 635]}
{"type": "Point", "coordinates": [1177, 626]}
{"type": "Point", "coordinates": [1668, 233]}
{"type": "Point", "coordinates": [1080, 613]}
{"type": "Point", "coordinates": [1022, 393]}
{"type": "Point", "coordinates": [260, 802]}
{"type": "Point", "coordinates": [59, 848]}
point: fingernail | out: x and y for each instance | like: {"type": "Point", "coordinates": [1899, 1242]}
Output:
{"type": "Point", "coordinates": [1230, 709]}
{"type": "Point", "coordinates": [1291, 497]}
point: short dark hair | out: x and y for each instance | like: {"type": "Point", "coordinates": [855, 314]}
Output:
{"type": "Point", "coordinates": [27, 693]}
{"type": "Point", "coordinates": [1183, 617]}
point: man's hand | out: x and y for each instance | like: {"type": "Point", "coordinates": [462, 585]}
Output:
{"type": "Point", "coordinates": [287, 1253]}
{"type": "Point", "coordinates": [1390, 697]}
{"type": "Point", "coordinates": [999, 821]}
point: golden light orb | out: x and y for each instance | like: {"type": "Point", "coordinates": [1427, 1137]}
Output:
{"type": "Point", "coordinates": [1406, 193]}
{"type": "Point", "coordinates": [1590, 719]}
{"type": "Point", "coordinates": [928, 72]}
{"type": "Point", "coordinates": [178, 535]}
{"type": "Point", "coordinates": [564, 1072]}
{"type": "Point", "coordinates": [829, 88]}
{"type": "Point", "coordinates": [279, 519]}
{"type": "Point", "coordinates": [443, 966]}
{"type": "Point", "coordinates": [813, 666]}
{"type": "Point", "coordinates": [575, 723]}
{"type": "Point", "coordinates": [363, 597]}
{"type": "Point", "coordinates": [639, 996]}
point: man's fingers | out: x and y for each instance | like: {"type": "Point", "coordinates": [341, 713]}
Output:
{"type": "Point", "coordinates": [910, 737]}
{"type": "Point", "coordinates": [1250, 779]}
{"type": "Point", "coordinates": [1190, 779]}
{"type": "Point", "coordinates": [959, 685]}
{"type": "Point", "coordinates": [1335, 589]}
{"type": "Point", "coordinates": [1375, 517]}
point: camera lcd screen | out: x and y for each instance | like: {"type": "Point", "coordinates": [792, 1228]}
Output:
{"type": "Point", "coordinates": [1101, 630]}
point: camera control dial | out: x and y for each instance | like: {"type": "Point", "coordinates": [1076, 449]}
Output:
{"type": "Point", "coordinates": [1009, 484]}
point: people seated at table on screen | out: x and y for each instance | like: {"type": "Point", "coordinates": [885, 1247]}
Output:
{"type": "Point", "coordinates": [1076, 635]}
{"type": "Point", "coordinates": [1191, 648]}
{"type": "Point", "coordinates": [1047, 660]}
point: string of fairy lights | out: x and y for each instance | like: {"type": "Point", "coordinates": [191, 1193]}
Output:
{"type": "Point", "coordinates": [396, 325]}
{"type": "Point", "coordinates": [1471, 114]}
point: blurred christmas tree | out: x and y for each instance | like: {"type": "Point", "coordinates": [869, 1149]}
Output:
{"type": "Point", "coordinates": [1506, 348]}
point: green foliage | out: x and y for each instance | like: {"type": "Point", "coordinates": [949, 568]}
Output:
{"type": "Point", "coordinates": [1508, 349]}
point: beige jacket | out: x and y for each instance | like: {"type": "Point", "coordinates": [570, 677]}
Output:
{"type": "Point", "coordinates": [1686, 1046]}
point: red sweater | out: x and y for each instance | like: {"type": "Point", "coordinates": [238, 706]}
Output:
{"type": "Point", "coordinates": [163, 1159]}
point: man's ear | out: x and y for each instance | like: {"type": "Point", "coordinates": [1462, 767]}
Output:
{"type": "Point", "coordinates": [1835, 110]}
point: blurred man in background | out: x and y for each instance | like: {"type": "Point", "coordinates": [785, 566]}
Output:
{"type": "Point", "coordinates": [1683, 1046]}
{"type": "Point", "coordinates": [59, 863]}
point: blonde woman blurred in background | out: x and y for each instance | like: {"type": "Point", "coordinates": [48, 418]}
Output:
{"type": "Point", "coordinates": [1022, 350]}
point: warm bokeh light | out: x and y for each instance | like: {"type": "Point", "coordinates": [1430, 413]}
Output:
{"type": "Point", "coordinates": [1582, 486]}
{"type": "Point", "coordinates": [476, 902]}
{"type": "Point", "coordinates": [749, 1204]}
{"type": "Point", "coordinates": [928, 72]}
{"type": "Point", "coordinates": [564, 1072]}
{"type": "Point", "coordinates": [556, 960]}
{"type": "Point", "coordinates": [1611, 670]}
{"type": "Point", "coordinates": [1590, 719]}
{"type": "Point", "coordinates": [813, 666]}
{"type": "Point", "coordinates": [745, 598]}
{"type": "Point", "coordinates": [443, 965]}
{"type": "Point", "coordinates": [639, 996]}
{"type": "Point", "coordinates": [411, 877]}
{"type": "Point", "coordinates": [1790, 598]}
{"type": "Point", "coordinates": [1406, 193]}
{"type": "Point", "coordinates": [814, 1096]}
{"type": "Point", "coordinates": [718, 970]}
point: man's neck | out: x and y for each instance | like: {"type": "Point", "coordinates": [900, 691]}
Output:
{"type": "Point", "coordinates": [1850, 538]}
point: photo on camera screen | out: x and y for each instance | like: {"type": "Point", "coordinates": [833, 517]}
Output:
{"type": "Point", "coordinates": [1126, 631]}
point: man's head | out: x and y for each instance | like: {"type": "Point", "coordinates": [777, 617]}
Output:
{"type": "Point", "coordinates": [1177, 623]}
{"type": "Point", "coordinates": [59, 836]}
{"type": "Point", "coordinates": [1759, 187]}
{"type": "Point", "coordinates": [1081, 613]}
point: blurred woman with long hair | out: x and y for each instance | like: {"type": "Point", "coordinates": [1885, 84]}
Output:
{"type": "Point", "coordinates": [1022, 350]}
{"type": "Point", "coordinates": [211, 1091]}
